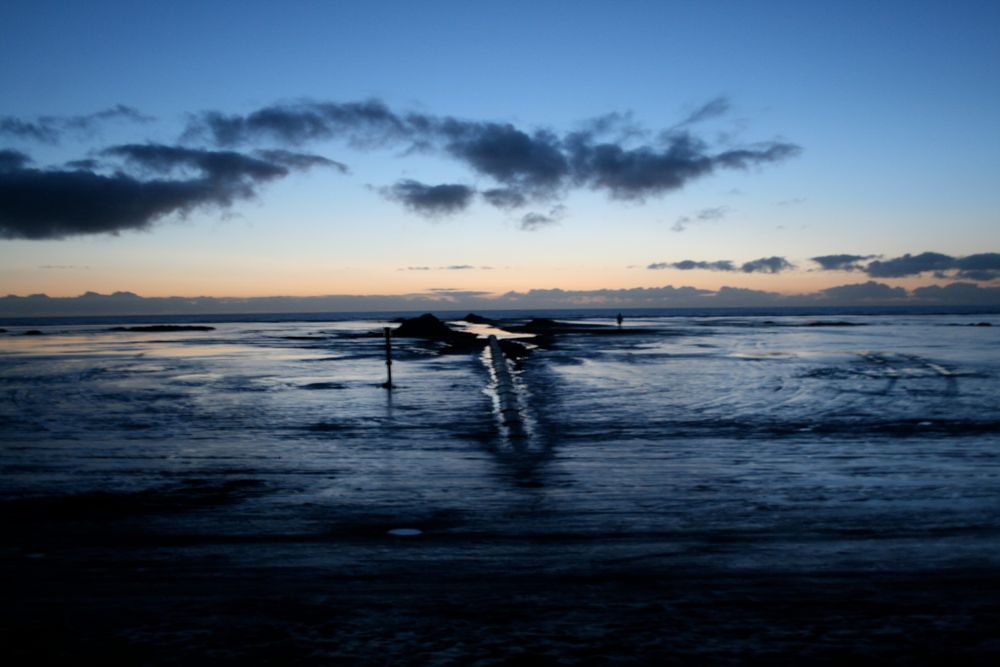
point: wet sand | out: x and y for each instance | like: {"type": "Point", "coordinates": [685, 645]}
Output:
{"type": "Point", "coordinates": [700, 493]}
{"type": "Point", "coordinates": [112, 590]}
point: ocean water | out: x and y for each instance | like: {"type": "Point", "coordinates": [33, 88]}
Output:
{"type": "Point", "coordinates": [733, 443]}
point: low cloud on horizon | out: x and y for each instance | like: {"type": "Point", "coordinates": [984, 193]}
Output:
{"type": "Point", "coordinates": [870, 293]}
{"type": "Point", "coordinates": [980, 267]}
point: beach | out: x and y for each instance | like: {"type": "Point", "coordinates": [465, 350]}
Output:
{"type": "Point", "coordinates": [697, 489]}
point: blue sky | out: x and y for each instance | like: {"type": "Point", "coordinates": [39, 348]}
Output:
{"type": "Point", "coordinates": [892, 107]}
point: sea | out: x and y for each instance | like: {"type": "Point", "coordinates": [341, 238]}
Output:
{"type": "Point", "coordinates": [740, 442]}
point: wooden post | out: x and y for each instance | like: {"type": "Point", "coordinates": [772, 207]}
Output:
{"type": "Point", "coordinates": [388, 356]}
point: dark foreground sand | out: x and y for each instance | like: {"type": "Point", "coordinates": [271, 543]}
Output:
{"type": "Point", "coordinates": [126, 598]}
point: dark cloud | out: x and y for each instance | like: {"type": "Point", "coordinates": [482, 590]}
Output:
{"type": "Point", "coordinates": [505, 198]}
{"type": "Point", "coordinates": [542, 164]}
{"type": "Point", "coordinates": [89, 122]}
{"type": "Point", "coordinates": [864, 293]}
{"type": "Point", "coordinates": [980, 276]}
{"type": "Point", "coordinates": [981, 267]}
{"type": "Point", "coordinates": [27, 130]}
{"type": "Point", "coordinates": [523, 166]}
{"type": "Point", "coordinates": [711, 109]}
{"type": "Point", "coordinates": [762, 153]}
{"type": "Point", "coordinates": [762, 265]}
{"type": "Point", "coordinates": [714, 213]}
{"type": "Point", "coordinates": [88, 164]}
{"type": "Point", "coordinates": [227, 166]}
{"type": "Point", "coordinates": [767, 265]}
{"type": "Point", "coordinates": [531, 222]}
{"type": "Point", "coordinates": [37, 204]}
{"type": "Point", "coordinates": [722, 265]}
{"type": "Point", "coordinates": [690, 264]}
{"type": "Point", "coordinates": [704, 215]}
{"type": "Point", "coordinates": [50, 129]}
{"type": "Point", "coordinates": [11, 160]}
{"type": "Point", "coordinates": [617, 125]}
{"type": "Point", "coordinates": [450, 267]}
{"type": "Point", "coordinates": [362, 123]}
{"type": "Point", "coordinates": [959, 293]}
{"type": "Point", "coordinates": [745, 296]}
{"type": "Point", "coordinates": [527, 165]}
{"type": "Point", "coordinates": [55, 203]}
{"type": "Point", "coordinates": [222, 166]}
{"type": "Point", "coordinates": [430, 200]}
{"type": "Point", "coordinates": [841, 262]}
{"type": "Point", "coordinates": [262, 165]}
{"type": "Point", "coordinates": [300, 160]}
{"type": "Point", "coordinates": [910, 265]}
{"type": "Point", "coordinates": [637, 173]}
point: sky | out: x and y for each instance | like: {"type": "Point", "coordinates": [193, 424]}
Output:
{"type": "Point", "coordinates": [587, 152]}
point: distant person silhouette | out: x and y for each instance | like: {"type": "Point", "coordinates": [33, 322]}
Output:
{"type": "Point", "coordinates": [620, 318]}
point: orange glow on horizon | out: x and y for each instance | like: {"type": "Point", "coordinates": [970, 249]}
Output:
{"type": "Point", "coordinates": [392, 282]}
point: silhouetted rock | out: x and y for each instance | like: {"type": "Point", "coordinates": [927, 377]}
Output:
{"type": "Point", "coordinates": [156, 328]}
{"type": "Point", "coordinates": [431, 328]}
{"type": "Point", "coordinates": [3, 331]}
{"type": "Point", "coordinates": [472, 318]}
{"type": "Point", "coordinates": [425, 326]}
{"type": "Point", "coordinates": [32, 332]}
{"type": "Point", "coordinates": [542, 323]}
{"type": "Point", "coordinates": [981, 324]}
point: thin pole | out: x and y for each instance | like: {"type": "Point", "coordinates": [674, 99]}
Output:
{"type": "Point", "coordinates": [388, 356]}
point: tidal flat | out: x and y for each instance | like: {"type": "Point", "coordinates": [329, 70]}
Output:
{"type": "Point", "coordinates": [706, 489]}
